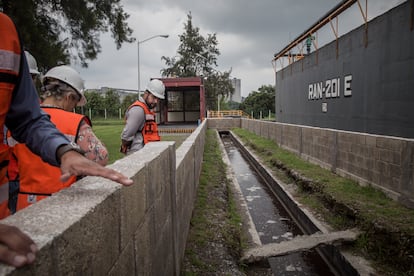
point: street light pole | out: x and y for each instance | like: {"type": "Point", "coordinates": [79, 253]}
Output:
{"type": "Point", "coordinates": [138, 43]}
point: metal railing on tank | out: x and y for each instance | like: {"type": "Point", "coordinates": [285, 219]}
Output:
{"type": "Point", "coordinates": [227, 113]}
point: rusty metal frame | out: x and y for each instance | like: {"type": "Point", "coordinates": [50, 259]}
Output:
{"type": "Point", "coordinates": [327, 18]}
{"type": "Point", "coordinates": [336, 33]}
{"type": "Point", "coordinates": [365, 16]}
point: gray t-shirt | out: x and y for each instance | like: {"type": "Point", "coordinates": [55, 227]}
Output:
{"type": "Point", "coordinates": [135, 120]}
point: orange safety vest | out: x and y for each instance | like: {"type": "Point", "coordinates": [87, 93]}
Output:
{"type": "Point", "coordinates": [10, 51]}
{"type": "Point", "coordinates": [12, 169]}
{"type": "Point", "coordinates": [38, 179]}
{"type": "Point", "coordinates": [150, 129]}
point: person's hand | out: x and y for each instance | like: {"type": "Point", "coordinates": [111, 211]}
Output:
{"type": "Point", "coordinates": [73, 163]}
{"type": "Point", "coordinates": [125, 145]}
{"type": "Point", "coordinates": [16, 248]}
{"type": "Point", "coordinates": [123, 149]}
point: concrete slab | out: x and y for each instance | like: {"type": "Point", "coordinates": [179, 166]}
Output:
{"type": "Point", "coordinates": [299, 243]}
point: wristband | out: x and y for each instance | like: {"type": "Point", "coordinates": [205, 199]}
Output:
{"type": "Point", "coordinates": [65, 148]}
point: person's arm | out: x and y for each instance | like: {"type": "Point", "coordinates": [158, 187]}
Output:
{"type": "Point", "coordinates": [29, 125]}
{"type": "Point", "coordinates": [135, 122]}
{"type": "Point", "coordinates": [94, 149]}
{"type": "Point", "coordinates": [16, 248]}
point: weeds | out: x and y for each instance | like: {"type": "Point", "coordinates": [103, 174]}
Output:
{"type": "Point", "coordinates": [388, 227]}
{"type": "Point", "coordinates": [215, 222]}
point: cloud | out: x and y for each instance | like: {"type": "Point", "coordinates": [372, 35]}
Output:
{"type": "Point", "coordinates": [249, 34]}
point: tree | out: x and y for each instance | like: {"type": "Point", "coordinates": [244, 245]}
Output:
{"type": "Point", "coordinates": [56, 32]}
{"type": "Point", "coordinates": [95, 103]}
{"type": "Point", "coordinates": [230, 105]}
{"type": "Point", "coordinates": [260, 102]}
{"type": "Point", "coordinates": [112, 103]}
{"type": "Point", "coordinates": [194, 55]}
{"type": "Point", "coordinates": [127, 101]}
{"type": "Point", "coordinates": [218, 87]}
{"type": "Point", "coordinates": [197, 56]}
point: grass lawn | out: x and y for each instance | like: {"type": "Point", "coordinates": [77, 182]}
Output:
{"type": "Point", "coordinates": [109, 132]}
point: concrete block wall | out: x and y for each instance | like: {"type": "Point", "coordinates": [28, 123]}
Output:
{"type": "Point", "coordinates": [223, 123]}
{"type": "Point", "coordinates": [384, 162]}
{"type": "Point", "coordinates": [379, 99]}
{"type": "Point", "coordinates": [188, 169]}
{"type": "Point", "coordinates": [319, 145]}
{"type": "Point", "coordinates": [98, 227]}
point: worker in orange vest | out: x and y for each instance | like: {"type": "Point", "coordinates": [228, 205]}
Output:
{"type": "Point", "coordinates": [62, 91]}
{"type": "Point", "coordinates": [33, 69]}
{"type": "Point", "coordinates": [20, 112]}
{"type": "Point", "coordinates": [12, 169]}
{"type": "Point", "coordinates": [140, 125]}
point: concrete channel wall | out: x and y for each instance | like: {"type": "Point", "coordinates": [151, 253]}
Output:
{"type": "Point", "coordinates": [98, 227]}
{"type": "Point", "coordinates": [381, 161]}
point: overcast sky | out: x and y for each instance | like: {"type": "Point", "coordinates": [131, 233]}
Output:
{"type": "Point", "coordinates": [249, 33]}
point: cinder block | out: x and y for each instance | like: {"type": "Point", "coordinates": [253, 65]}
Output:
{"type": "Point", "coordinates": [134, 205]}
{"type": "Point", "coordinates": [163, 263]}
{"type": "Point", "coordinates": [98, 227]}
{"type": "Point", "coordinates": [390, 156]}
{"type": "Point", "coordinates": [89, 246]}
{"type": "Point", "coordinates": [389, 144]}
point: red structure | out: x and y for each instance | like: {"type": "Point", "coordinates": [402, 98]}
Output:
{"type": "Point", "coordinates": [184, 101]}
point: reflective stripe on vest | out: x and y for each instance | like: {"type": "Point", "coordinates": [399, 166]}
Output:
{"type": "Point", "coordinates": [149, 117]}
{"type": "Point", "coordinates": [9, 61]}
{"type": "Point", "coordinates": [10, 51]}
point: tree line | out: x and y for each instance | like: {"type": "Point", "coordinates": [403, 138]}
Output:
{"type": "Point", "coordinates": [260, 103]}
{"type": "Point", "coordinates": [108, 105]}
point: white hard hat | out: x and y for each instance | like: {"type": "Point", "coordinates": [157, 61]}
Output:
{"type": "Point", "coordinates": [31, 61]}
{"type": "Point", "coordinates": [156, 88]}
{"type": "Point", "coordinates": [69, 76]}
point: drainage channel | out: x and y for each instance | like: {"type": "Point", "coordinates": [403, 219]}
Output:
{"type": "Point", "coordinates": [277, 218]}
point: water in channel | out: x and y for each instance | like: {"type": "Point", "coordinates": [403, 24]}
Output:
{"type": "Point", "coordinates": [272, 222]}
